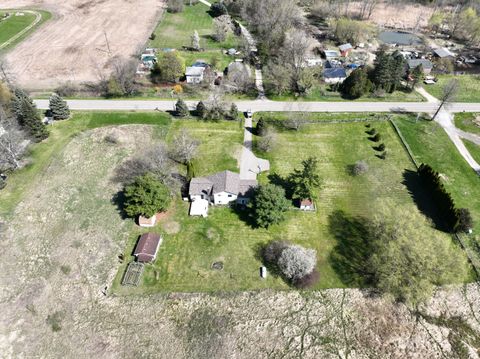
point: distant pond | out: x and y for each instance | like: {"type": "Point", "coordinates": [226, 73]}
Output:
{"type": "Point", "coordinates": [399, 37]}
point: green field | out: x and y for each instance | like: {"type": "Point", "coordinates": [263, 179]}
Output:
{"type": "Point", "coordinates": [469, 90]}
{"type": "Point", "coordinates": [176, 30]}
{"type": "Point", "coordinates": [466, 122]}
{"type": "Point", "coordinates": [474, 150]}
{"type": "Point", "coordinates": [322, 92]}
{"type": "Point", "coordinates": [15, 24]}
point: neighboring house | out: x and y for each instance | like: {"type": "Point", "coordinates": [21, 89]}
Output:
{"type": "Point", "coordinates": [345, 49]}
{"type": "Point", "coordinates": [443, 53]}
{"type": "Point", "coordinates": [219, 189]}
{"type": "Point", "coordinates": [313, 61]}
{"type": "Point", "coordinates": [306, 205]}
{"type": "Point", "coordinates": [334, 76]}
{"type": "Point", "coordinates": [331, 54]}
{"type": "Point", "coordinates": [147, 247]}
{"type": "Point", "coordinates": [427, 65]}
{"type": "Point", "coordinates": [194, 74]}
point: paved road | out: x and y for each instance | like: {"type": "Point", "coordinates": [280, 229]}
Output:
{"type": "Point", "coordinates": [267, 105]}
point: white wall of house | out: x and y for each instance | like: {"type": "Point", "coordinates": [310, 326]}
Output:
{"type": "Point", "coordinates": [194, 79]}
{"type": "Point", "coordinates": [224, 198]}
{"type": "Point", "coordinates": [334, 80]}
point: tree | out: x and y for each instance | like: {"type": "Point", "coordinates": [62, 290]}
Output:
{"type": "Point", "coordinates": [268, 139]}
{"type": "Point", "coordinates": [221, 28]}
{"type": "Point", "coordinates": [268, 205]}
{"type": "Point", "coordinates": [12, 146]}
{"type": "Point", "coordinates": [181, 108]}
{"type": "Point", "coordinates": [201, 110]}
{"type": "Point", "coordinates": [352, 31]}
{"type": "Point", "coordinates": [306, 180]}
{"type": "Point", "coordinates": [169, 68]}
{"type": "Point", "coordinates": [146, 196]}
{"type": "Point", "coordinates": [218, 9]}
{"type": "Point", "coordinates": [184, 147]}
{"type": "Point", "coordinates": [272, 251]}
{"type": "Point", "coordinates": [465, 221]}
{"type": "Point", "coordinates": [122, 78]}
{"type": "Point", "coordinates": [388, 70]}
{"type": "Point", "coordinates": [239, 78]}
{"type": "Point", "coordinates": [175, 6]}
{"type": "Point", "coordinates": [449, 93]}
{"type": "Point", "coordinates": [416, 76]}
{"type": "Point", "coordinates": [407, 262]}
{"type": "Point", "coordinates": [28, 117]}
{"type": "Point", "coordinates": [277, 78]}
{"type": "Point", "coordinates": [357, 84]}
{"type": "Point", "coordinates": [59, 107]}
{"type": "Point", "coordinates": [296, 262]}
{"type": "Point", "coordinates": [233, 113]}
{"type": "Point", "coordinates": [294, 52]}
{"type": "Point", "coordinates": [196, 41]}
{"type": "Point", "coordinates": [261, 127]}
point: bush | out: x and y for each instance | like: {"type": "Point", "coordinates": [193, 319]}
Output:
{"type": "Point", "coordinates": [383, 155]}
{"type": "Point", "coordinates": [152, 36]}
{"type": "Point", "coordinates": [67, 89]}
{"type": "Point", "coordinates": [55, 320]}
{"type": "Point", "coordinates": [218, 9]}
{"type": "Point", "coordinates": [233, 113]}
{"type": "Point", "coordinates": [296, 262]}
{"type": "Point", "coordinates": [359, 168]}
{"type": "Point", "coordinates": [201, 110]}
{"type": "Point", "coordinates": [380, 147]}
{"type": "Point", "coordinates": [181, 108]}
{"type": "Point", "coordinates": [267, 141]}
{"type": "Point", "coordinates": [272, 251]}
{"type": "Point", "coordinates": [174, 6]}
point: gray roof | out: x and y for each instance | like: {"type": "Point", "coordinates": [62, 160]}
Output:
{"type": "Point", "coordinates": [225, 181]}
{"type": "Point", "coordinates": [426, 64]}
{"type": "Point", "coordinates": [334, 73]}
{"type": "Point", "coordinates": [194, 71]}
{"type": "Point", "coordinates": [443, 52]}
{"type": "Point", "coordinates": [345, 47]}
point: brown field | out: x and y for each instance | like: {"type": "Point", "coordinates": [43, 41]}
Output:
{"type": "Point", "coordinates": [72, 46]}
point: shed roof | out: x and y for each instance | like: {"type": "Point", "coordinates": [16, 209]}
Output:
{"type": "Point", "coordinates": [345, 47]}
{"type": "Point", "coordinates": [337, 72]}
{"type": "Point", "coordinates": [194, 71]}
{"type": "Point", "coordinates": [199, 207]}
{"type": "Point", "coordinates": [331, 53]}
{"type": "Point", "coordinates": [443, 52]}
{"type": "Point", "coordinates": [147, 245]}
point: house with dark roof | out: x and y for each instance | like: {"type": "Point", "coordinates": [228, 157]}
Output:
{"type": "Point", "coordinates": [443, 53]}
{"type": "Point", "coordinates": [334, 75]}
{"type": "Point", "coordinates": [427, 65]}
{"type": "Point", "coordinates": [147, 247]}
{"type": "Point", "coordinates": [219, 189]}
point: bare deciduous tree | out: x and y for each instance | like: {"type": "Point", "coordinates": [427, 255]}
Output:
{"type": "Point", "coordinates": [239, 78]}
{"type": "Point", "coordinates": [13, 145]}
{"type": "Point", "coordinates": [267, 141]}
{"type": "Point", "coordinates": [184, 147]}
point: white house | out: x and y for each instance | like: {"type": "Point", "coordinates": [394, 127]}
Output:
{"type": "Point", "coordinates": [218, 189]}
{"type": "Point", "coordinates": [194, 74]}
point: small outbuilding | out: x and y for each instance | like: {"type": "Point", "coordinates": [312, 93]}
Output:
{"type": "Point", "coordinates": [194, 74]}
{"type": "Point", "coordinates": [199, 207]}
{"type": "Point", "coordinates": [345, 49]}
{"type": "Point", "coordinates": [147, 247]}
{"type": "Point", "coordinates": [443, 53]}
{"type": "Point", "coordinates": [331, 54]}
{"type": "Point", "coordinates": [147, 222]}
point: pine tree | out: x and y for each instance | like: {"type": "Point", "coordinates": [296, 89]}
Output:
{"type": "Point", "coordinates": [233, 115]}
{"type": "Point", "coordinates": [201, 110]}
{"type": "Point", "coordinates": [306, 180]}
{"type": "Point", "coordinates": [181, 108]}
{"type": "Point", "coordinates": [28, 117]}
{"type": "Point", "coordinates": [59, 108]}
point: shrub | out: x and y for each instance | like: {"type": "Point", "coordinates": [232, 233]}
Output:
{"type": "Point", "coordinates": [174, 6]}
{"type": "Point", "coordinates": [59, 108]}
{"type": "Point", "coordinates": [380, 147]}
{"type": "Point", "coordinates": [201, 110]}
{"type": "Point", "coordinates": [152, 36]}
{"type": "Point", "coordinates": [359, 168]}
{"type": "Point", "coordinates": [267, 141]}
{"type": "Point", "coordinates": [67, 89]}
{"type": "Point", "coordinates": [178, 89]}
{"type": "Point", "coordinates": [218, 9]}
{"type": "Point", "coordinates": [55, 320]}
{"type": "Point", "coordinates": [233, 113]}
{"type": "Point", "coordinates": [383, 155]}
{"type": "Point", "coordinates": [261, 127]}
{"type": "Point", "coordinates": [272, 251]}
{"type": "Point", "coordinates": [296, 262]}
{"type": "Point", "coordinates": [181, 108]}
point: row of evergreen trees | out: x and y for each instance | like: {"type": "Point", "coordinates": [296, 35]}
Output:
{"type": "Point", "coordinates": [456, 219]}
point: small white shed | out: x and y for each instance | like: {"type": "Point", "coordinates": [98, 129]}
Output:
{"type": "Point", "coordinates": [199, 207]}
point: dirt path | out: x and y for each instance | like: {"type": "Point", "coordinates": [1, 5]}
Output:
{"type": "Point", "coordinates": [72, 46]}
{"type": "Point", "coordinates": [38, 17]}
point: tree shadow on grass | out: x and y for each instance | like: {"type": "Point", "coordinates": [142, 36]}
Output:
{"type": "Point", "coordinates": [244, 214]}
{"type": "Point", "coordinates": [422, 198]}
{"type": "Point", "coordinates": [119, 201]}
{"type": "Point", "coordinates": [350, 256]}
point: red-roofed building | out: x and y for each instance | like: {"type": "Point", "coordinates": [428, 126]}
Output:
{"type": "Point", "coordinates": [147, 247]}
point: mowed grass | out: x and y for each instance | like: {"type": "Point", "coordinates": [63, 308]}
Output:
{"type": "Point", "coordinates": [15, 24]}
{"type": "Point", "coordinates": [474, 150]}
{"type": "Point", "coordinates": [466, 121]}
{"type": "Point", "coordinates": [185, 258]}
{"type": "Point", "coordinates": [469, 87]}
{"type": "Point", "coordinates": [61, 133]}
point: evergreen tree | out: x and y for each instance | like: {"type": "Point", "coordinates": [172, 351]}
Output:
{"type": "Point", "coordinates": [59, 108]}
{"type": "Point", "coordinates": [233, 114]}
{"type": "Point", "coordinates": [306, 180]}
{"type": "Point", "coordinates": [181, 108]}
{"type": "Point", "coordinates": [397, 66]}
{"type": "Point", "coordinates": [201, 110]}
{"type": "Point", "coordinates": [218, 9]}
{"type": "Point", "coordinates": [268, 205]}
{"type": "Point", "coordinates": [261, 127]}
{"type": "Point", "coordinates": [416, 75]}
{"type": "Point", "coordinates": [28, 117]}
{"type": "Point", "coordinates": [381, 73]}
{"type": "Point", "coordinates": [356, 84]}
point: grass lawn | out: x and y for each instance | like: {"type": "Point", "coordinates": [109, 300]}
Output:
{"type": "Point", "coordinates": [469, 90]}
{"type": "Point", "coordinates": [321, 92]}
{"type": "Point", "coordinates": [474, 149]}
{"type": "Point", "coordinates": [186, 256]}
{"type": "Point", "coordinates": [15, 24]}
{"type": "Point", "coordinates": [176, 30]}
{"type": "Point", "coordinates": [466, 122]}
{"type": "Point", "coordinates": [61, 133]}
